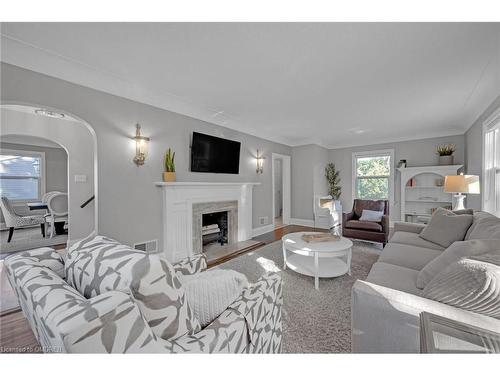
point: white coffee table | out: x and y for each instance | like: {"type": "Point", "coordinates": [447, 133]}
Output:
{"type": "Point", "coordinates": [320, 259]}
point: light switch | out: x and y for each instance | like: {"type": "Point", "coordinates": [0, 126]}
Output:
{"type": "Point", "coordinates": [80, 178]}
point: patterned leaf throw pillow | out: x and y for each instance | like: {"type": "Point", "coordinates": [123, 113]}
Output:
{"type": "Point", "coordinates": [101, 264]}
{"type": "Point", "coordinates": [471, 284]}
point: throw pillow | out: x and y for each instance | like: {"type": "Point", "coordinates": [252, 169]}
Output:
{"type": "Point", "coordinates": [456, 251]}
{"type": "Point", "coordinates": [487, 226]}
{"type": "Point", "coordinates": [210, 293]}
{"type": "Point", "coordinates": [445, 227]}
{"type": "Point", "coordinates": [471, 284]}
{"type": "Point", "coordinates": [369, 215]}
{"type": "Point", "coordinates": [99, 265]}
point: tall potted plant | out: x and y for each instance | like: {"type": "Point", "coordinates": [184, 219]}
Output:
{"type": "Point", "coordinates": [169, 174]}
{"type": "Point", "coordinates": [445, 153]}
{"type": "Point", "coordinates": [334, 188]}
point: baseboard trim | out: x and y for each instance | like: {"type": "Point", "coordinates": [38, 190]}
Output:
{"type": "Point", "coordinates": [261, 230]}
{"type": "Point", "coordinates": [302, 222]}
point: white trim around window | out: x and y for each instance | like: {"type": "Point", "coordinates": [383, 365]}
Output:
{"type": "Point", "coordinates": [490, 201]}
{"type": "Point", "coordinates": [42, 187]}
{"type": "Point", "coordinates": [374, 153]}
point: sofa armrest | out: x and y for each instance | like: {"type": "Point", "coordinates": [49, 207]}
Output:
{"type": "Point", "coordinates": [42, 257]}
{"type": "Point", "coordinates": [385, 222]}
{"type": "Point", "coordinates": [386, 320]}
{"type": "Point", "coordinates": [191, 265]}
{"type": "Point", "coordinates": [400, 226]}
{"type": "Point", "coordinates": [108, 323]}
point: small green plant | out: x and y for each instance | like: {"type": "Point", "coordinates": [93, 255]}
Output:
{"type": "Point", "coordinates": [446, 150]}
{"type": "Point", "coordinates": [169, 161]}
{"type": "Point", "coordinates": [333, 179]}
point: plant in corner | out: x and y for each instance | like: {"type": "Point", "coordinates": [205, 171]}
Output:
{"type": "Point", "coordinates": [445, 153]}
{"type": "Point", "coordinates": [169, 174]}
{"type": "Point", "coordinates": [333, 179]}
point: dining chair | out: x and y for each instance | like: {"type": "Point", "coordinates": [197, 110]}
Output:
{"type": "Point", "coordinates": [58, 210]}
{"type": "Point", "coordinates": [14, 220]}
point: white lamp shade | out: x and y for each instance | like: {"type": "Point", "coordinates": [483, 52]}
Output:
{"type": "Point", "coordinates": [468, 184]}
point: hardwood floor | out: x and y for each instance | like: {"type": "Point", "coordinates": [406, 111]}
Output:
{"type": "Point", "coordinates": [16, 335]}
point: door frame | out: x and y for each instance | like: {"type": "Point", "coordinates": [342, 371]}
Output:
{"type": "Point", "coordinates": [286, 190]}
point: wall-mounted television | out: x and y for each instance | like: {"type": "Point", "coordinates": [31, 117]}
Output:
{"type": "Point", "coordinates": [214, 155]}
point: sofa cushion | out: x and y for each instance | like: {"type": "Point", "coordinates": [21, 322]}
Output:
{"type": "Point", "coordinates": [471, 284]}
{"type": "Point", "coordinates": [408, 256]}
{"type": "Point", "coordinates": [395, 277]}
{"type": "Point", "coordinates": [361, 204]}
{"type": "Point", "coordinates": [454, 253]}
{"type": "Point", "coordinates": [364, 225]}
{"type": "Point", "coordinates": [446, 227]}
{"type": "Point", "coordinates": [485, 226]}
{"type": "Point", "coordinates": [99, 265]}
{"type": "Point", "coordinates": [413, 239]}
{"type": "Point", "coordinates": [369, 215]}
{"type": "Point", "coordinates": [211, 292]}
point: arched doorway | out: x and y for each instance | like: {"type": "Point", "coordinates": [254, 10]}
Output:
{"type": "Point", "coordinates": [78, 139]}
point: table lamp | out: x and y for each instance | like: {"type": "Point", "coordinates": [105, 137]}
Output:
{"type": "Point", "coordinates": [460, 185]}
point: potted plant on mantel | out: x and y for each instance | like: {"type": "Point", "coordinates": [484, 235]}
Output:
{"type": "Point", "coordinates": [445, 153]}
{"type": "Point", "coordinates": [334, 188]}
{"type": "Point", "coordinates": [169, 174]}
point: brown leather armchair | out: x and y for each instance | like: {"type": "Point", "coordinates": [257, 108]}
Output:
{"type": "Point", "coordinates": [366, 230]}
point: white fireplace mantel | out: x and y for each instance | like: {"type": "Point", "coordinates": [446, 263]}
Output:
{"type": "Point", "coordinates": [178, 200]}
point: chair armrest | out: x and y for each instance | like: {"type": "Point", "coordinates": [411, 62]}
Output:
{"type": "Point", "coordinates": [261, 304]}
{"type": "Point", "coordinates": [108, 323]}
{"type": "Point", "coordinates": [250, 324]}
{"type": "Point", "coordinates": [191, 265]}
{"type": "Point", "coordinates": [400, 226]}
{"type": "Point", "coordinates": [385, 222]}
{"type": "Point", "coordinates": [386, 320]}
{"type": "Point", "coordinates": [42, 257]}
{"type": "Point", "coordinates": [346, 216]}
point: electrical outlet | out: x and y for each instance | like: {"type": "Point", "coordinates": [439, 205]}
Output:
{"type": "Point", "coordinates": [263, 220]}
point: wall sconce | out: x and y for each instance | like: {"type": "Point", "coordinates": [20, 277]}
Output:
{"type": "Point", "coordinates": [260, 162]}
{"type": "Point", "coordinates": [141, 146]}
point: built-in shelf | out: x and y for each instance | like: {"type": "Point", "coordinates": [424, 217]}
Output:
{"type": "Point", "coordinates": [425, 196]}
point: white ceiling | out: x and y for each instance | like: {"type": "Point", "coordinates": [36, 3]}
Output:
{"type": "Point", "coordinates": [333, 84]}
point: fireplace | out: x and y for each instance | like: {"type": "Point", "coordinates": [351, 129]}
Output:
{"type": "Point", "coordinates": [214, 228]}
{"type": "Point", "coordinates": [214, 223]}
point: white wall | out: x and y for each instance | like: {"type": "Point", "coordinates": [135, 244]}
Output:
{"type": "Point", "coordinates": [78, 142]}
{"type": "Point", "coordinates": [474, 150]}
{"type": "Point", "coordinates": [130, 203]}
{"type": "Point", "coordinates": [307, 162]}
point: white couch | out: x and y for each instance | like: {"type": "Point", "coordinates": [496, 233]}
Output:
{"type": "Point", "coordinates": [386, 307]}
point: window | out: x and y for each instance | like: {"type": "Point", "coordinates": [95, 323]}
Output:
{"type": "Point", "coordinates": [491, 165]}
{"type": "Point", "coordinates": [21, 175]}
{"type": "Point", "coordinates": [372, 174]}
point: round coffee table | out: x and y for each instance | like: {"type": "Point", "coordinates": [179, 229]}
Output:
{"type": "Point", "coordinates": [318, 259]}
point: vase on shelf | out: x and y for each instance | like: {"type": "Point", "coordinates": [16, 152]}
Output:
{"type": "Point", "coordinates": [446, 160]}
{"type": "Point", "coordinates": [169, 176]}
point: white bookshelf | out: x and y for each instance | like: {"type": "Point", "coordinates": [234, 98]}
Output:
{"type": "Point", "coordinates": [418, 201]}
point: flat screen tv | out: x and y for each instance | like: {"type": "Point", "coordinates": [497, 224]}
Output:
{"type": "Point", "coordinates": [214, 155]}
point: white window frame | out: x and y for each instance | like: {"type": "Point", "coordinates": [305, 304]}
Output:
{"type": "Point", "coordinates": [41, 181]}
{"type": "Point", "coordinates": [374, 153]}
{"type": "Point", "coordinates": [491, 123]}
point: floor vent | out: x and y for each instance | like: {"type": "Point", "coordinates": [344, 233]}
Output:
{"type": "Point", "coordinates": [148, 246]}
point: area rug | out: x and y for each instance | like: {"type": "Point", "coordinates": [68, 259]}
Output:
{"type": "Point", "coordinates": [314, 321]}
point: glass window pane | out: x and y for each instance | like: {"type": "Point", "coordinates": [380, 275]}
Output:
{"type": "Point", "coordinates": [373, 166]}
{"type": "Point", "coordinates": [372, 188]}
{"type": "Point", "coordinates": [25, 188]}
{"type": "Point", "coordinates": [17, 165]}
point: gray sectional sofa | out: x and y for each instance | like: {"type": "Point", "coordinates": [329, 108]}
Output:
{"type": "Point", "coordinates": [386, 307]}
